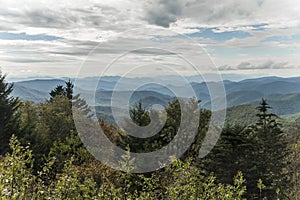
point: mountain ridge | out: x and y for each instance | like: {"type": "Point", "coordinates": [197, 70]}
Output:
{"type": "Point", "coordinates": [283, 93]}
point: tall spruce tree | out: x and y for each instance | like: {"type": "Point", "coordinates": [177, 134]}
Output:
{"type": "Point", "coordinates": [75, 100]}
{"type": "Point", "coordinates": [8, 119]}
{"type": "Point", "coordinates": [228, 156]}
{"type": "Point", "coordinates": [141, 117]}
{"type": "Point", "coordinates": [59, 90]}
{"type": "Point", "coordinates": [267, 157]}
{"type": "Point", "coordinates": [69, 89]}
{"type": "Point", "coordinates": [66, 90]}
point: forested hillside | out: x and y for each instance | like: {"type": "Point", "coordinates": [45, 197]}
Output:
{"type": "Point", "coordinates": [282, 93]}
{"type": "Point", "coordinates": [42, 156]}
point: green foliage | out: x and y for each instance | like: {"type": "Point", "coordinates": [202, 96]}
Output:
{"type": "Point", "coordinates": [71, 147]}
{"type": "Point", "coordinates": [55, 122]}
{"type": "Point", "coordinates": [241, 115]}
{"type": "Point", "coordinates": [28, 119]}
{"type": "Point", "coordinates": [284, 104]}
{"type": "Point", "coordinates": [67, 171]}
{"type": "Point", "coordinates": [60, 90]}
{"type": "Point", "coordinates": [16, 179]}
{"type": "Point", "coordinates": [50, 125]}
{"type": "Point", "coordinates": [68, 185]}
{"type": "Point", "coordinates": [187, 183]}
{"type": "Point", "coordinates": [229, 154]}
{"type": "Point", "coordinates": [67, 91]}
{"type": "Point", "coordinates": [259, 151]}
{"type": "Point", "coordinates": [141, 117]}
{"type": "Point", "coordinates": [8, 117]}
{"type": "Point", "coordinates": [246, 115]}
{"type": "Point", "coordinates": [293, 168]}
{"type": "Point", "coordinates": [179, 181]}
{"type": "Point", "coordinates": [261, 187]}
{"type": "Point", "coordinates": [267, 159]}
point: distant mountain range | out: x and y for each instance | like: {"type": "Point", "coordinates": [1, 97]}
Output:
{"type": "Point", "coordinates": [283, 94]}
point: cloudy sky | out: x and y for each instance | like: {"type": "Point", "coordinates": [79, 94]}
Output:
{"type": "Point", "coordinates": [64, 38]}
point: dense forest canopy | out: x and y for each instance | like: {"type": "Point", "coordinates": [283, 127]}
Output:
{"type": "Point", "coordinates": [43, 157]}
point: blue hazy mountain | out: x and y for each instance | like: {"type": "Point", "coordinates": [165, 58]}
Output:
{"type": "Point", "coordinates": [29, 94]}
{"type": "Point", "coordinates": [42, 85]}
{"type": "Point", "coordinates": [282, 93]}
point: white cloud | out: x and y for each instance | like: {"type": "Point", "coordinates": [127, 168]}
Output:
{"type": "Point", "coordinates": [267, 65]}
{"type": "Point", "coordinates": [120, 25]}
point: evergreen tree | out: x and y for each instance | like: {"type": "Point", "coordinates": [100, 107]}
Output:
{"type": "Point", "coordinates": [229, 154]}
{"type": "Point", "coordinates": [66, 90]}
{"type": "Point", "coordinates": [50, 122]}
{"type": "Point", "coordinates": [76, 101]}
{"type": "Point", "coordinates": [59, 90]}
{"type": "Point", "coordinates": [8, 119]}
{"type": "Point", "coordinates": [140, 115]}
{"type": "Point", "coordinates": [69, 90]}
{"type": "Point", "coordinates": [267, 159]}
{"type": "Point", "coordinates": [81, 105]}
{"type": "Point", "coordinates": [163, 137]}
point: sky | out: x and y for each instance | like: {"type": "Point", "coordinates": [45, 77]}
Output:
{"type": "Point", "coordinates": [152, 37]}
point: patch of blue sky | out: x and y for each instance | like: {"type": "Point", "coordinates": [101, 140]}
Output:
{"type": "Point", "coordinates": [259, 51]}
{"type": "Point", "coordinates": [25, 36]}
{"type": "Point", "coordinates": [283, 38]}
{"type": "Point", "coordinates": [159, 39]}
{"type": "Point", "coordinates": [219, 36]}
{"type": "Point", "coordinates": [260, 27]}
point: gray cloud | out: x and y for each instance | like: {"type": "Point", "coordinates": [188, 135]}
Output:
{"type": "Point", "coordinates": [39, 18]}
{"type": "Point", "coordinates": [245, 65]}
{"type": "Point", "coordinates": [26, 60]}
{"type": "Point", "coordinates": [50, 18]}
{"type": "Point", "coordinates": [163, 12]}
{"type": "Point", "coordinates": [65, 18]}
{"type": "Point", "coordinates": [152, 51]}
{"type": "Point", "coordinates": [251, 66]}
{"type": "Point", "coordinates": [225, 68]}
{"type": "Point", "coordinates": [265, 65]}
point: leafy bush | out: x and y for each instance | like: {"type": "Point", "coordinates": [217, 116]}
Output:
{"type": "Point", "coordinates": [181, 180]}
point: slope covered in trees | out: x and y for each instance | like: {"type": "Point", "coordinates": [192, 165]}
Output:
{"type": "Point", "coordinates": [254, 159]}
